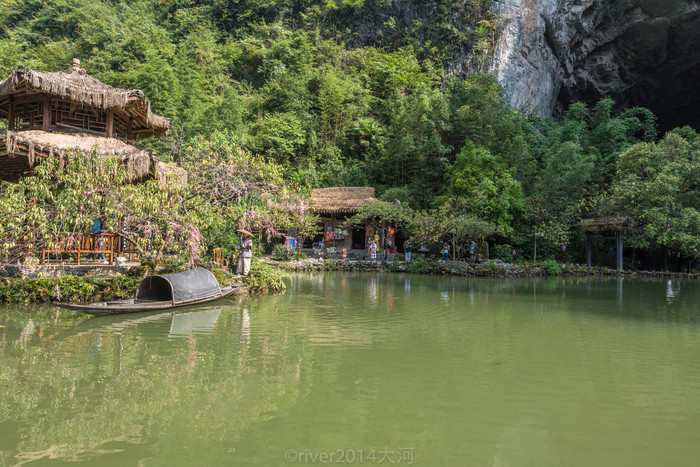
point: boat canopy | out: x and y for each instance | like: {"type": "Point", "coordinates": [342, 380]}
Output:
{"type": "Point", "coordinates": [190, 285]}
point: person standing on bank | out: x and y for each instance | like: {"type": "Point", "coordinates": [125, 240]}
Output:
{"type": "Point", "coordinates": [408, 249]}
{"type": "Point", "coordinates": [97, 241]}
{"type": "Point", "coordinates": [245, 246]}
{"type": "Point", "coordinates": [445, 252]}
{"type": "Point", "coordinates": [373, 250]}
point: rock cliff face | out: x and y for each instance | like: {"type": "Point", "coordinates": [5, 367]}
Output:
{"type": "Point", "coordinates": [639, 52]}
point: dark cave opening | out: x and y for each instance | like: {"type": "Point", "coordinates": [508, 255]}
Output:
{"type": "Point", "coordinates": [673, 98]}
{"type": "Point", "coordinates": [647, 55]}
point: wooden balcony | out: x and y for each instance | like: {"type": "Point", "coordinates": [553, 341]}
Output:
{"type": "Point", "coordinates": [90, 246]}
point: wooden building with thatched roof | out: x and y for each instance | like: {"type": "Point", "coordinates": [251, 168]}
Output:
{"type": "Point", "coordinates": [335, 205]}
{"type": "Point", "coordinates": [53, 114]}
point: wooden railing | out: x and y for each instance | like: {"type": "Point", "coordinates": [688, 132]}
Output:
{"type": "Point", "coordinates": [93, 245]}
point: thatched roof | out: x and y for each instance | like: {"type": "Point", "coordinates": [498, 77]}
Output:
{"type": "Point", "coordinates": [140, 164]}
{"type": "Point", "coordinates": [76, 85]}
{"type": "Point", "coordinates": [602, 224]}
{"type": "Point", "coordinates": [340, 200]}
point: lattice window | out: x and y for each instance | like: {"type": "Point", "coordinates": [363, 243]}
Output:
{"type": "Point", "coordinates": [29, 114]}
{"type": "Point", "coordinates": [121, 127]}
{"type": "Point", "coordinates": [78, 117]}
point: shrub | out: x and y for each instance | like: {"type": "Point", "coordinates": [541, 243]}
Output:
{"type": "Point", "coordinates": [502, 252]}
{"type": "Point", "coordinates": [552, 266]}
{"type": "Point", "coordinates": [68, 288]}
{"type": "Point", "coordinates": [493, 267]}
{"type": "Point", "coordinates": [419, 265]}
{"type": "Point", "coordinates": [264, 277]}
{"type": "Point", "coordinates": [281, 253]}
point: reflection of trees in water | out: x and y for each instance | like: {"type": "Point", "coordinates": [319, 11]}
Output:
{"type": "Point", "coordinates": [80, 391]}
{"type": "Point", "coordinates": [121, 384]}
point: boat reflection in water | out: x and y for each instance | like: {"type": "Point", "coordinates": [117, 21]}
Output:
{"type": "Point", "coordinates": [104, 333]}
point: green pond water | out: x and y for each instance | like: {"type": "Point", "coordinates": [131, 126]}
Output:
{"type": "Point", "coordinates": [364, 369]}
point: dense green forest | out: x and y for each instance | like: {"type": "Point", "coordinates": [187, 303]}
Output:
{"type": "Point", "coordinates": [321, 102]}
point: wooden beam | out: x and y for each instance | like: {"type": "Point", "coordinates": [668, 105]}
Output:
{"type": "Point", "coordinates": [110, 122]}
{"type": "Point", "coordinates": [34, 96]}
{"type": "Point", "coordinates": [129, 128]}
{"type": "Point", "coordinates": [11, 114]}
{"type": "Point", "coordinates": [46, 118]}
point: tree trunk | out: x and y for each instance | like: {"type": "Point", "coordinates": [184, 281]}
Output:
{"type": "Point", "coordinates": [534, 250]}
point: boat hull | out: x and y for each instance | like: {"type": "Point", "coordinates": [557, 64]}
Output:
{"type": "Point", "coordinates": [134, 305]}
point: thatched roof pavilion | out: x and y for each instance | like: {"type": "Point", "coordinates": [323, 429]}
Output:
{"type": "Point", "coordinates": [340, 200]}
{"type": "Point", "coordinates": [79, 88]}
{"type": "Point", "coordinates": [54, 114]}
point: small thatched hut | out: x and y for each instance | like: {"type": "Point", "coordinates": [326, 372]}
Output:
{"type": "Point", "coordinates": [54, 114]}
{"type": "Point", "coordinates": [340, 201]}
{"type": "Point", "coordinates": [335, 205]}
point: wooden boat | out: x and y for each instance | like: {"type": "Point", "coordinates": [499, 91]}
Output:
{"type": "Point", "coordinates": [162, 291]}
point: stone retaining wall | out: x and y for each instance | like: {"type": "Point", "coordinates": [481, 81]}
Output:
{"type": "Point", "coordinates": [493, 268]}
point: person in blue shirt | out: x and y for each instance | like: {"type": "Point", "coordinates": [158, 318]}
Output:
{"type": "Point", "coordinates": [96, 229]}
{"type": "Point", "coordinates": [445, 252]}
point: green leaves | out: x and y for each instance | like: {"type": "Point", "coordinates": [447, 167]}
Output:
{"type": "Point", "coordinates": [657, 185]}
{"type": "Point", "coordinates": [487, 186]}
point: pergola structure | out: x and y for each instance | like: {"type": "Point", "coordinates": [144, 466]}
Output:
{"type": "Point", "coordinates": [617, 224]}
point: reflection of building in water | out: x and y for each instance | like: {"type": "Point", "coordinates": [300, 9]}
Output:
{"type": "Point", "coordinates": [198, 322]}
{"type": "Point", "coordinates": [27, 333]}
{"type": "Point", "coordinates": [373, 289]}
{"type": "Point", "coordinates": [245, 326]}
{"type": "Point", "coordinates": [672, 289]}
{"type": "Point", "coordinates": [619, 293]}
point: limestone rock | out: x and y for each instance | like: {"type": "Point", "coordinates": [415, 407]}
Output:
{"type": "Point", "coordinates": [639, 52]}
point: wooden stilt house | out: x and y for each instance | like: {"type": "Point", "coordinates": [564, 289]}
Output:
{"type": "Point", "coordinates": [52, 114]}
{"type": "Point", "coordinates": [58, 113]}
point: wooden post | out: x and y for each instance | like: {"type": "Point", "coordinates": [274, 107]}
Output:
{"type": "Point", "coordinates": [129, 128]}
{"type": "Point", "coordinates": [11, 114]}
{"type": "Point", "coordinates": [588, 249]}
{"type": "Point", "coordinates": [619, 250]}
{"type": "Point", "coordinates": [46, 119]}
{"type": "Point", "coordinates": [534, 249]}
{"type": "Point", "coordinates": [110, 122]}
